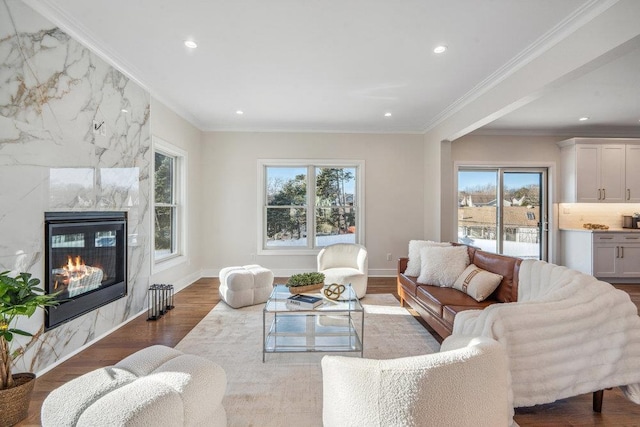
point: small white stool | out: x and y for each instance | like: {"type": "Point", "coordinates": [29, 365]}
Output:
{"type": "Point", "coordinates": [246, 285]}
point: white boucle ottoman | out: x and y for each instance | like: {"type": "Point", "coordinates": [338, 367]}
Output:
{"type": "Point", "coordinates": [157, 385]}
{"type": "Point", "coordinates": [246, 285]}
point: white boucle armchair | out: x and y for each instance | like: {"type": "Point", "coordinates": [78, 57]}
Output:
{"type": "Point", "coordinates": [345, 263]}
{"type": "Point", "coordinates": [467, 384]}
{"type": "Point", "coordinates": [156, 386]}
{"type": "Point", "coordinates": [568, 334]}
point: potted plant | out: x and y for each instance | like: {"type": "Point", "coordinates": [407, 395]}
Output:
{"type": "Point", "coordinates": [305, 282]}
{"type": "Point", "coordinates": [19, 296]}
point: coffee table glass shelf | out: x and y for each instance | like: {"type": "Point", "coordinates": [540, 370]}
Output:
{"type": "Point", "coordinates": [333, 326]}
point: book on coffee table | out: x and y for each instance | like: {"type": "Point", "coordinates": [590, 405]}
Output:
{"type": "Point", "coordinates": [305, 302]}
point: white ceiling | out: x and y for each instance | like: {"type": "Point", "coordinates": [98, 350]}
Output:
{"type": "Point", "coordinates": [339, 65]}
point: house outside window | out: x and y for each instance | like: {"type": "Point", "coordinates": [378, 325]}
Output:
{"type": "Point", "coordinates": [168, 201]}
{"type": "Point", "coordinates": [306, 205]}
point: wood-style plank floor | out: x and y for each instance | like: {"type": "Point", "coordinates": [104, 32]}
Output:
{"type": "Point", "coordinates": [194, 302]}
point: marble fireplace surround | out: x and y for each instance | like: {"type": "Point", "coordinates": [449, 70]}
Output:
{"type": "Point", "coordinates": [52, 159]}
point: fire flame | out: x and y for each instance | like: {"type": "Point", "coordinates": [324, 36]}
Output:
{"type": "Point", "coordinates": [77, 267]}
{"type": "Point", "coordinates": [77, 276]}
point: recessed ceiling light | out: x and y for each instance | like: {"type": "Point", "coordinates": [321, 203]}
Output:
{"type": "Point", "coordinates": [191, 44]}
{"type": "Point", "coordinates": [583, 119]}
{"type": "Point", "coordinates": [440, 49]}
{"type": "Point", "coordinates": [239, 112]}
{"type": "Point", "coordinates": [124, 110]}
{"type": "Point", "coordinates": [387, 114]}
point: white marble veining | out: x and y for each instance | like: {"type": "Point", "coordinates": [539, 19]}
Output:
{"type": "Point", "coordinates": [53, 91]}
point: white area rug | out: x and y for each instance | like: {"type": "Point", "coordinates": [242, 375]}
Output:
{"type": "Point", "coordinates": [286, 390]}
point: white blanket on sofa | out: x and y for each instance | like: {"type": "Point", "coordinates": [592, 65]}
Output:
{"type": "Point", "coordinates": [568, 334]}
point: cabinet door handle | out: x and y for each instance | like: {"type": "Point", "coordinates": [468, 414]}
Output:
{"type": "Point", "coordinates": [628, 194]}
{"type": "Point", "coordinates": [605, 238]}
{"type": "Point", "coordinates": [604, 194]}
{"type": "Point", "coordinates": [621, 251]}
{"type": "Point", "coordinates": [617, 251]}
{"type": "Point", "coordinates": [599, 194]}
{"type": "Point", "coordinates": [632, 238]}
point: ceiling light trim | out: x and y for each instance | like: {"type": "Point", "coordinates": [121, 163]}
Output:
{"type": "Point", "coordinates": [440, 49]}
{"type": "Point", "coordinates": [560, 31]}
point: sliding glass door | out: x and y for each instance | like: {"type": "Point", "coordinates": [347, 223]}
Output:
{"type": "Point", "coordinates": [504, 210]}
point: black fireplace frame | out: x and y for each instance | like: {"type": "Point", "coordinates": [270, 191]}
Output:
{"type": "Point", "coordinates": [76, 306]}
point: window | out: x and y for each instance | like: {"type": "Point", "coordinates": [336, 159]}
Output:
{"type": "Point", "coordinates": [308, 205]}
{"type": "Point", "coordinates": [498, 207]}
{"type": "Point", "coordinates": [168, 227]}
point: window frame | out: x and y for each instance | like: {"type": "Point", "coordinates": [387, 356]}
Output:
{"type": "Point", "coordinates": [179, 202]}
{"type": "Point", "coordinates": [310, 165]}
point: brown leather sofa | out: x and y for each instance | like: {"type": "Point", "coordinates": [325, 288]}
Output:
{"type": "Point", "coordinates": [439, 306]}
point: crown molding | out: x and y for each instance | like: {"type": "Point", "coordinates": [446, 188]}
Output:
{"type": "Point", "coordinates": [311, 130]}
{"type": "Point", "coordinates": [564, 28]}
{"type": "Point", "coordinates": [51, 11]}
{"type": "Point", "coordinates": [591, 132]}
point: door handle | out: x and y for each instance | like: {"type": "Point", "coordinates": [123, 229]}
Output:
{"type": "Point", "coordinates": [599, 194]}
{"type": "Point", "coordinates": [617, 251]}
{"type": "Point", "coordinates": [604, 194]}
{"type": "Point", "coordinates": [621, 251]}
{"type": "Point", "coordinates": [628, 194]}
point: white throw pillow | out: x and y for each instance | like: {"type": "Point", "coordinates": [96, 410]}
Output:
{"type": "Point", "coordinates": [414, 263]}
{"type": "Point", "coordinates": [477, 283]}
{"type": "Point", "coordinates": [441, 266]}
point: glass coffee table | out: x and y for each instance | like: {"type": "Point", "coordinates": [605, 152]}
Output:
{"type": "Point", "coordinates": [333, 326]}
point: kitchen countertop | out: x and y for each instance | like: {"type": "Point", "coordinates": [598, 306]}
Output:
{"type": "Point", "coordinates": [610, 230]}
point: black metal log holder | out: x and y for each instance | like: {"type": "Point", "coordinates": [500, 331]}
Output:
{"type": "Point", "coordinates": [160, 300]}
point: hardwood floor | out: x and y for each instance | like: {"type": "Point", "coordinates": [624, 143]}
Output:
{"type": "Point", "coordinates": [194, 302]}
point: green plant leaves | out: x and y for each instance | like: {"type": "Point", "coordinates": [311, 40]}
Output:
{"type": "Point", "coordinates": [303, 279]}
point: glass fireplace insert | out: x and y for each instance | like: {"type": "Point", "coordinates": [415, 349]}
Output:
{"type": "Point", "coordinates": [85, 262]}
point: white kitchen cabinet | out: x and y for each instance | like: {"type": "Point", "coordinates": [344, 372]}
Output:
{"type": "Point", "coordinates": [629, 261]}
{"type": "Point", "coordinates": [605, 255]}
{"type": "Point", "coordinates": [594, 170]}
{"type": "Point", "coordinates": [587, 181]}
{"type": "Point", "coordinates": [616, 254]}
{"type": "Point", "coordinates": [632, 171]}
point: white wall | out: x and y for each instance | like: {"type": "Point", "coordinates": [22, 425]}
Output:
{"type": "Point", "coordinates": [170, 127]}
{"type": "Point", "coordinates": [393, 194]}
{"type": "Point", "coordinates": [506, 148]}
{"type": "Point", "coordinates": [431, 187]}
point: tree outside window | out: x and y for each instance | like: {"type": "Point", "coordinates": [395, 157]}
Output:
{"type": "Point", "coordinates": [310, 206]}
{"type": "Point", "coordinates": [165, 209]}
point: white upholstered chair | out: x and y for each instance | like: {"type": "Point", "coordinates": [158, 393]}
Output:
{"type": "Point", "coordinates": [344, 263]}
{"type": "Point", "coordinates": [467, 384]}
{"type": "Point", "coordinates": [157, 385]}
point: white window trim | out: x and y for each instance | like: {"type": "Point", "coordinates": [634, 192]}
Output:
{"type": "Point", "coordinates": [181, 156]}
{"type": "Point", "coordinates": [360, 213]}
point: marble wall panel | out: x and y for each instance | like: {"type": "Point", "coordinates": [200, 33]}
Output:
{"type": "Point", "coordinates": [53, 91]}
